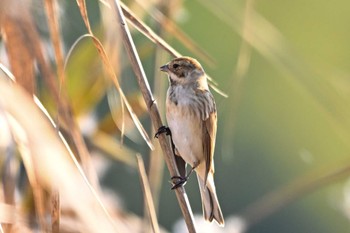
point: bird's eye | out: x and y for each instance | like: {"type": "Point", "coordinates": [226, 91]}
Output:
{"type": "Point", "coordinates": [175, 66]}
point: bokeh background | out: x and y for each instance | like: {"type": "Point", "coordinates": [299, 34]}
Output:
{"type": "Point", "coordinates": [282, 150]}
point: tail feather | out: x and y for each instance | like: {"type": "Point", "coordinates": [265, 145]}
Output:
{"type": "Point", "coordinates": [210, 203]}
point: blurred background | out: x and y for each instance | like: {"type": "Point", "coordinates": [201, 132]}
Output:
{"type": "Point", "coordinates": [282, 149]}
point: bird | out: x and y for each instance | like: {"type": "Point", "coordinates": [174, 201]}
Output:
{"type": "Point", "coordinates": [192, 123]}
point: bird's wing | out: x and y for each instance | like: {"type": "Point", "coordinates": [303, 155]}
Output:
{"type": "Point", "coordinates": [209, 135]}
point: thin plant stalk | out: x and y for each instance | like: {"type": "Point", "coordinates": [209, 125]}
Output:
{"type": "Point", "coordinates": [147, 194]}
{"type": "Point", "coordinates": [153, 111]}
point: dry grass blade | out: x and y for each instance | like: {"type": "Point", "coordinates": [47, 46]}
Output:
{"type": "Point", "coordinates": [153, 110]}
{"type": "Point", "coordinates": [124, 99]}
{"type": "Point", "coordinates": [50, 6]}
{"type": "Point", "coordinates": [7, 72]}
{"type": "Point", "coordinates": [169, 26]}
{"type": "Point", "coordinates": [75, 161]}
{"type": "Point", "coordinates": [147, 194]}
{"type": "Point", "coordinates": [185, 40]}
{"type": "Point", "coordinates": [84, 14]}
{"type": "Point", "coordinates": [21, 38]}
{"type": "Point", "coordinates": [32, 173]}
{"type": "Point", "coordinates": [9, 166]}
{"type": "Point", "coordinates": [55, 212]}
{"type": "Point", "coordinates": [217, 90]}
{"type": "Point", "coordinates": [51, 160]}
{"type": "Point", "coordinates": [156, 174]}
{"type": "Point", "coordinates": [112, 75]}
{"type": "Point", "coordinates": [8, 213]}
{"type": "Point", "coordinates": [64, 107]}
{"type": "Point", "coordinates": [112, 97]}
{"type": "Point", "coordinates": [147, 31]}
{"type": "Point", "coordinates": [99, 47]}
{"type": "Point", "coordinates": [8, 217]}
{"type": "Point", "coordinates": [25, 47]}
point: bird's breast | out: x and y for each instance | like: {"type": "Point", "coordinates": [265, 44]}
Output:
{"type": "Point", "coordinates": [186, 129]}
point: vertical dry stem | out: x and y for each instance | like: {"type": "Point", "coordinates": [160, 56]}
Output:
{"type": "Point", "coordinates": [153, 111]}
{"type": "Point", "coordinates": [147, 194]}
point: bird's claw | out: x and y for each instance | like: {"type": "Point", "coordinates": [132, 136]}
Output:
{"type": "Point", "coordinates": [162, 129]}
{"type": "Point", "coordinates": [181, 181]}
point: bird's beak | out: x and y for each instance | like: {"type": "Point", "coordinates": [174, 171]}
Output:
{"type": "Point", "coordinates": [164, 68]}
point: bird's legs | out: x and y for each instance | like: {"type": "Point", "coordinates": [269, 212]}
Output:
{"type": "Point", "coordinates": [182, 180]}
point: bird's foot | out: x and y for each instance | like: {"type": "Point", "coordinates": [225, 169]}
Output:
{"type": "Point", "coordinates": [162, 129]}
{"type": "Point", "coordinates": [181, 181]}
{"type": "Point", "coordinates": [178, 181]}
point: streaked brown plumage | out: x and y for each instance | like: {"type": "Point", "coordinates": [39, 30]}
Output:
{"type": "Point", "coordinates": [192, 119]}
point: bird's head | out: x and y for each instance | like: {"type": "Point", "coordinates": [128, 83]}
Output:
{"type": "Point", "coordinates": [184, 70]}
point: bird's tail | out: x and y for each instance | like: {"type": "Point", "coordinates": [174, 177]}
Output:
{"type": "Point", "coordinates": [210, 203]}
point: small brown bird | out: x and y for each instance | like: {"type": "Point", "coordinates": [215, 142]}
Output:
{"type": "Point", "coordinates": [192, 120]}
